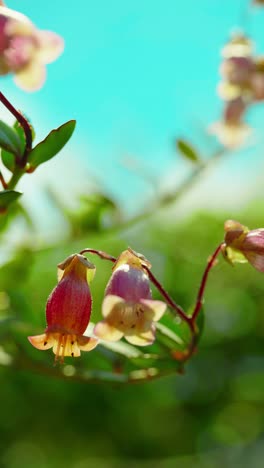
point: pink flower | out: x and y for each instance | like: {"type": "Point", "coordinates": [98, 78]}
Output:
{"type": "Point", "coordinates": [68, 311]}
{"type": "Point", "coordinates": [128, 308]}
{"type": "Point", "coordinates": [242, 245]}
{"type": "Point", "coordinates": [24, 50]}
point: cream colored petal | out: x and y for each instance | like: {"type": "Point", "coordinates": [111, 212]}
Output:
{"type": "Point", "coordinates": [59, 274]}
{"type": "Point", "coordinates": [31, 77]}
{"type": "Point", "coordinates": [50, 46]}
{"type": "Point", "coordinates": [107, 332]}
{"type": "Point", "coordinates": [109, 302]}
{"type": "Point", "coordinates": [86, 343]}
{"type": "Point", "coordinates": [42, 342]}
{"type": "Point", "coordinates": [154, 310]}
{"type": "Point", "coordinates": [18, 23]}
{"type": "Point", "coordinates": [142, 339]}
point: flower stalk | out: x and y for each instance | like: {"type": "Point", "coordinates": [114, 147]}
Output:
{"type": "Point", "coordinates": [24, 124]}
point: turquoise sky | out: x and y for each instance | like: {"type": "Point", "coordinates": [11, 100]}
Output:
{"type": "Point", "coordinates": [135, 74]}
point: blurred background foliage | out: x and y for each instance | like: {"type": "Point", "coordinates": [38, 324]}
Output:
{"type": "Point", "coordinates": [210, 415]}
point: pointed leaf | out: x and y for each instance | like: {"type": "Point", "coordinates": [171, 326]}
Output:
{"type": "Point", "coordinates": [7, 197]}
{"type": "Point", "coordinates": [52, 144]}
{"type": "Point", "coordinates": [9, 139]}
{"type": "Point", "coordinates": [8, 160]}
{"type": "Point", "coordinates": [187, 150]}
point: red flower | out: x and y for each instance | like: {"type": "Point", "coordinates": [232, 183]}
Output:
{"type": "Point", "coordinates": [128, 307]}
{"type": "Point", "coordinates": [68, 311]}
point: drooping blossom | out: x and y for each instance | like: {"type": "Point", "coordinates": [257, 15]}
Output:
{"type": "Point", "coordinates": [128, 308]}
{"type": "Point", "coordinates": [68, 310]}
{"type": "Point", "coordinates": [243, 245]}
{"type": "Point", "coordinates": [25, 50]}
{"type": "Point", "coordinates": [235, 89]}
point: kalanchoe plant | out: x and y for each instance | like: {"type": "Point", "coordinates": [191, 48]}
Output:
{"type": "Point", "coordinates": [25, 50]}
{"type": "Point", "coordinates": [68, 310]}
{"type": "Point", "coordinates": [17, 153]}
{"type": "Point", "coordinates": [243, 245]}
{"type": "Point", "coordinates": [128, 308]}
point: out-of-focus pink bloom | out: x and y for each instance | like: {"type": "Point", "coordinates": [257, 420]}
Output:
{"type": "Point", "coordinates": [24, 50]}
{"type": "Point", "coordinates": [242, 245]}
{"type": "Point", "coordinates": [68, 311]}
{"type": "Point", "coordinates": [128, 308]}
{"type": "Point", "coordinates": [237, 70]}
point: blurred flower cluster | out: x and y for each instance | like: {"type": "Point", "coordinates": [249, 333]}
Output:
{"type": "Point", "coordinates": [24, 50]}
{"type": "Point", "coordinates": [242, 85]}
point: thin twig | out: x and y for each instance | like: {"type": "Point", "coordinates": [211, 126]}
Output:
{"type": "Point", "coordinates": [169, 300]}
{"type": "Point", "coordinates": [100, 253]}
{"type": "Point", "coordinates": [199, 299]}
{"type": "Point", "coordinates": [25, 125]}
{"type": "Point", "coordinates": [3, 182]}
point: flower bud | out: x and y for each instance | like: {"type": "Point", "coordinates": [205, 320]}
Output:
{"type": "Point", "coordinates": [68, 311]}
{"type": "Point", "coordinates": [242, 245]}
{"type": "Point", "coordinates": [128, 308]}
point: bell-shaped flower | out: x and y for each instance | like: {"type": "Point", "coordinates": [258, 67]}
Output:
{"type": "Point", "coordinates": [128, 308]}
{"type": "Point", "coordinates": [68, 310]}
{"type": "Point", "coordinates": [24, 50]}
{"type": "Point", "coordinates": [242, 245]}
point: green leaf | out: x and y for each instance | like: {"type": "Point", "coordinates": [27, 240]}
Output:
{"type": "Point", "coordinates": [52, 144]}
{"type": "Point", "coordinates": [9, 140]}
{"type": "Point", "coordinates": [7, 197]}
{"type": "Point", "coordinates": [187, 150]}
{"type": "Point", "coordinates": [8, 160]}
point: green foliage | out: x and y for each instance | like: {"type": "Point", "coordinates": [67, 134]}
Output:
{"type": "Point", "coordinates": [7, 197]}
{"type": "Point", "coordinates": [9, 139]}
{"type": "Point", "coordinates": [187, 151]}
{"type": "Point", "coordinates": [203, 410]}
{"type": "Point", "coordinates": [51, 145]}
{"type": "Point", "coordinates": [8, 159]}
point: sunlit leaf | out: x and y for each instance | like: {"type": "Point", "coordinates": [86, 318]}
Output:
{"type": "Point", "coordinates": [9, 140]}
{"type": "Point", "coordinates": [51, 145]}
{"type": "Point", "coordinates": [7, 197]}
{"type": "Point", "coordinates": [187, 150]}
{"type": "Point", "coordinates": [8, 160]}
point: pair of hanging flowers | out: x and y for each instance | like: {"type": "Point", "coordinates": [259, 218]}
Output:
{"type": "Point", "coordinates": [128, 308]}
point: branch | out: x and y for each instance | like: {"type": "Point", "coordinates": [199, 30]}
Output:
{"type": "Point", "coordinates": [210, 264]}
{"type": "Point", "coordinates": [24, 124]}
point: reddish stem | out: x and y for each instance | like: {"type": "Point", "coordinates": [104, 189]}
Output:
{"type": "Point", "coordinates": [100, 253]}
{"type": "Point", "coordinates": [199, 300]}
{"type": "Point", "coordinates": [169, 300]}
{"type": "Point", "coordinates": [3, 182]}
{"type": "Point", "coordinates": [24, 124]}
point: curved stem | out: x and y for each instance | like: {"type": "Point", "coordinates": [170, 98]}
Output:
{"type": "Point", "coordinates": [3, 182]}
{"type": "Point", "coordinates": [199, 299]}
{"type": "Point", "coordinates": [169, 300]}
{"type": "Point", "coordinates": [24, 124]}
{"type": "Point", "coordinates": [100, 253]}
